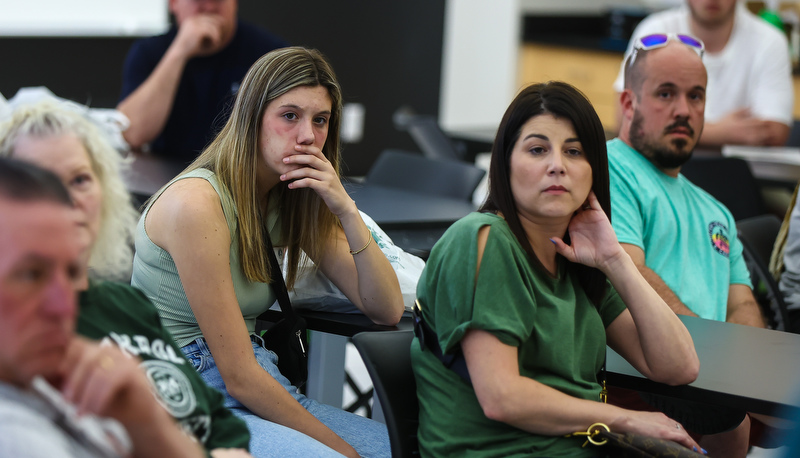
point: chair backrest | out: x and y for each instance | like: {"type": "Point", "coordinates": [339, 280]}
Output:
{"type": "Point", "coordinates": [387, 356]}
{"type": "Point", "coordinates": [794, 134]}
{"type": "Point", "coordinates": [414, 172]}
{"type": "Point", "coordinates": [757, 235]}
{"type": "Point", "coordinates": [429, 137]}
{"type": "Point", "coordinates": [729, 180]}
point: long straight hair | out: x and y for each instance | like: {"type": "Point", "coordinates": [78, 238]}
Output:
{"type": "Point", "coordinates": [306, 222]}
{"type": "Point", "coordinates": [562, 101]}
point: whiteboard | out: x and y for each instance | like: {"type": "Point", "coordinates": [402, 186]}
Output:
{"type": "Point", "coordinates": [83, 17]}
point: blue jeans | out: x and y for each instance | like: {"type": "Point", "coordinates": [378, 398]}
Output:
{"type": "Point", "coordinates": [268, 439]}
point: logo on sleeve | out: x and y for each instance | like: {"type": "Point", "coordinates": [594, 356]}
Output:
{"type": "Point", "coordinates": [171, 386]}
{"type": "Point", "coordinates": [718, 233]}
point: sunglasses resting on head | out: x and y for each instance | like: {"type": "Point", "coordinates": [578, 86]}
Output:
{"type": "Point", "coordinates": [658, 40]}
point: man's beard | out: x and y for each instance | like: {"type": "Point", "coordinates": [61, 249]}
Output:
{"type": "Point", "coordinates": [662, 156]}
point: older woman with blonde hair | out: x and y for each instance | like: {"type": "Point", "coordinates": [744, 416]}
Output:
{"type": "Point", "coordinates": [271, 175]}
{"type": "Point", "coordinates": [112, 229]}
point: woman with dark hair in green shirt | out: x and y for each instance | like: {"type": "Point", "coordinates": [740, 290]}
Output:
{"type": "Point", "coordinates": [530, 289]}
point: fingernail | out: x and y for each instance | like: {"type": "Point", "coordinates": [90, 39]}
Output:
{"type": "Point", "coordinates": [704, 451]}
{"type": "Point", "coordinates": [694, 449]}
{"type": "Point", "coordinates": [286, 160]}
{"type": "Point", "coordinates": [554, 242]}
{"type": "Point", "coordinates": [283, 177]}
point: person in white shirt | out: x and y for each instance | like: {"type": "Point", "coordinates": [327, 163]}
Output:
{"type": "Point", "coordinates": [750, 93]}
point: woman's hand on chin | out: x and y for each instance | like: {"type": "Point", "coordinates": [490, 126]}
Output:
{"type": "Point", "coordinates": [316, 172]}
{"type": "Point", "coordinates": [592, 239]}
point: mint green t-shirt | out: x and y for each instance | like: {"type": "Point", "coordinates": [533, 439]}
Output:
{"type": "Point", "coordinates": [688, 237]}
{"type": "Point", "coordinates": [559, 332]}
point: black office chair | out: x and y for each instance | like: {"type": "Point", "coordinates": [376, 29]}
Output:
{"type": "Point", "coordinates": [729, 180]}
{"type": "Point", "coordinates": [758, 237]}
{"type": "Point", "coordinates": [794, 134]}
{"type": "Point", "coordinates": [429, 137]}
{"type": "Point", "coordinates": [387, 357]}
{"type": "Point", "coordinates": [414, 172]}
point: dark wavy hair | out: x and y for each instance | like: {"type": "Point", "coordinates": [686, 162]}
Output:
{"type": "Point", "coordinates": [562, 101]}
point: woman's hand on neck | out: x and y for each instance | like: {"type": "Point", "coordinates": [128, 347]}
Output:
{"type": "Point", "coordinates": [592, 239]}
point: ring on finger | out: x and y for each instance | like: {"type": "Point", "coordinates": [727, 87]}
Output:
{"type": "Point", "coordinates": [106, 363]}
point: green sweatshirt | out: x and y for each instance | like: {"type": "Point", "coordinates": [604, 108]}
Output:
{"type": "Point", "coordinates": [122, 315]}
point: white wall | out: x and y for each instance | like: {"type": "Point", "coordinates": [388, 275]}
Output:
{"type": "Point", "coordinates": [479, 62]}
{"type": "Point", "coordinates": [83, 17]}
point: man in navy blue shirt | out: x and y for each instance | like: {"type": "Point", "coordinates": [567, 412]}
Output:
{"type": "Point", "coordinates": [177, 87]}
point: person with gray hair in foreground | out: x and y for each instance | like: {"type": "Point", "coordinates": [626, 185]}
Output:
{"type": "Point", "coordinates": [66, 143]}
{"type": "Point", "coordinates": [61, 395]}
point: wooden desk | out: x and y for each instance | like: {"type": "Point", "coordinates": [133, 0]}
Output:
{"type": "Point", "coordinates": [744, 367]}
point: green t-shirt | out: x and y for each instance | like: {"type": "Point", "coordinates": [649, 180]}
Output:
{"type": "Point", "coordinates": [559, 332]}
{"type": "Point", "coordinates": [119, 314]}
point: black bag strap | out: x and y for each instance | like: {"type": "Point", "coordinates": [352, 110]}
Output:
{"type": "Point", "coordinates": [429, 341]}
{"type": "Point", "coordinates": [277, 284]}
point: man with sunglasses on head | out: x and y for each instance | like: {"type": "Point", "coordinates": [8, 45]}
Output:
{"type": "Point", "coordinates": [682, 240]}
{"type": "Point", "coordinates": [750, 92]}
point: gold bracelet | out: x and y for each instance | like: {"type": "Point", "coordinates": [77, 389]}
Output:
{"type": "Point", "coordinates": [369, 240]}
